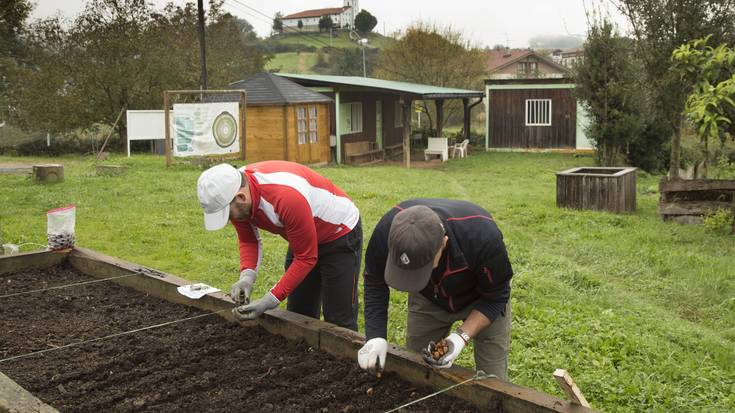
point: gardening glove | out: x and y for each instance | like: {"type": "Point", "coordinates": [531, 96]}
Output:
{"type": "Point", "coordinates": [371, 356]}
{"type": "Point", "coordinates": [455, 344]}
{"type": "Point", "coordinates": [256, 309]}
{"type": "Point", "coordinates": [240, 290]}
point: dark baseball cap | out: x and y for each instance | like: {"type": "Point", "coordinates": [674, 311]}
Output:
{"type": "Point", "coordinates": [415, 237]}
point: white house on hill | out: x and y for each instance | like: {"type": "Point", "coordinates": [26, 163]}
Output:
{"type": "Point", "coordinates": [341, 17]}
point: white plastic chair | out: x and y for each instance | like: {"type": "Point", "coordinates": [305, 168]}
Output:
{"type": "Point", "coordinates": [461, 148]}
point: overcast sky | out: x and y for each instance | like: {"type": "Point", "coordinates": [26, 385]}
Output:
{"type": "Point", "coordinates": [486, 22]}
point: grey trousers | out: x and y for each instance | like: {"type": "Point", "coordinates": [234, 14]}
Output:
{"type": "Point", "coordinates": [429, 322]}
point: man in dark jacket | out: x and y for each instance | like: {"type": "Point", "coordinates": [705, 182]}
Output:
{"type": "Point", "coordinates": [450, 256]}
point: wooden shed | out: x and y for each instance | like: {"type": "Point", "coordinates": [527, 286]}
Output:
{"type": "Point", "coordinates": [540, 113]}
{"type": "Point", "coordinates": [285, 121]}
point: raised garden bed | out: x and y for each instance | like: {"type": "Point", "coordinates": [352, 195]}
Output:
{"type": "Point", "coordinates": [598, 188]}
{"type": "Point", "coordinates": [687, 200]}
{"type": "Point", "coordinates": [204, 364]}
{"type": "Point", "coordinates": [283, 361]}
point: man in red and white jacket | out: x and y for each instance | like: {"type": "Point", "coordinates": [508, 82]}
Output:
{"type": "Point", "coordinates": [319, 221]}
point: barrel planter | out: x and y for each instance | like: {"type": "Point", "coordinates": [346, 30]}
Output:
{"type": "Point", "coordinates": [599, 188]}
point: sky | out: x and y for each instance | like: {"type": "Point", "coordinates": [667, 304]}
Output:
{"type": "Point", "coordinates": [484, 22]}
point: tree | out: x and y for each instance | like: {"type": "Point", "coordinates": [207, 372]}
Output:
{"type": "Point", "coordinates": [365, 22]}
{"type": "Point", "coordinates": [710, 105]}
{"type": "Point", "coordinates": [607, 86]}
{"type": "Point", "coordinates": [13, 16]}
{"type": "Point", "coordinates": [346, 61]}
{"type": "Point", "coordinates": [432, 55]}
{"type": "Point", "coordinates": [124, 54]}
{"type": "Point", "coordinates": [325, 23]}
{"type": "Point", "coordinates": [278, 23]}
{"type": "Point", "coordinates": [660, 26]}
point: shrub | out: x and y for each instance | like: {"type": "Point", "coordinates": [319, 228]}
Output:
{"type": "Point", "coordinates": [719, 221]}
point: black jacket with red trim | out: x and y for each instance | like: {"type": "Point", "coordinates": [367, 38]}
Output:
{"type": "Point", "coordinates": [474, 268]}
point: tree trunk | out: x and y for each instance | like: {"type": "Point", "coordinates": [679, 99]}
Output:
{"type": "Point", "coordinates": [675, 152]}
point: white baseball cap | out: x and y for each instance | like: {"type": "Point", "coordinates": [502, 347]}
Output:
{"type": "Point", "coordinates": [216, 188]}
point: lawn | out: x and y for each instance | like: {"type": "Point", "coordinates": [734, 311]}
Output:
{"type": "Point", "coordinates": [640, 312]}
{"type": "Point", "coordinates": [292, 62]}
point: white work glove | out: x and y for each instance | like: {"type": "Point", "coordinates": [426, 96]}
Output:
{"type": "Point", "coordinates": [240, 290]}
{"type": "Point", "coordinates": [455, 344]}
{"type": "Point", "coordinates": [257, 308]}
{"type": "Point", "coordinates": [371, 356]}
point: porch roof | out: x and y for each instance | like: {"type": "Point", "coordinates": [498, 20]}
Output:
{"type": "Point", "coordinates": [416, 90]}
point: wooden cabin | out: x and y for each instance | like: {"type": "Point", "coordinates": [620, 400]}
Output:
{"type": "Point", "coordinates": [371, 118]}
{"type": "Point", "coordinates": [285, 121]}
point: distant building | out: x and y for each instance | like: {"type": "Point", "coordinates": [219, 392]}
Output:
{"type": "Point", "coordinates": [570, 57]}
{"type": "Point", "coordinates": [342, 17]}
{"type": "Point", "coordinates": [505, 63]}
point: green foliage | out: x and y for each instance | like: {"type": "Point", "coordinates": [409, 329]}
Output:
{"type": "Point", "coordinates": [640, 311]}
{"type": "Point", "coordinates": [719, 221]}
{"type": "Point", "coordinates": [123, 54]}
{"type": "Point", "coordinates": [607, 84]}
{"type": "Point", "coordinates": [346, 61]}
{"type": "Point", "coordinates": [425, 53]}
{"type": "Point", "coordinates": [365, 22]}
{"type": "Point", "coordinates": [325, 23]}
{"type": "Point", "coordinates": [660, 26]}
{"type": "Point", "coordinates": [710, 105]}
{"type": "Point", "coordinates": [277, 22]}
{"type": "Point", "coordinates": [13, 15]}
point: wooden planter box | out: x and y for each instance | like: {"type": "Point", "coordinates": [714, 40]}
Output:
{"type": "Point", "coordinates": [599, 188]}
{"type": "Point", "coordinates": [687, 201]}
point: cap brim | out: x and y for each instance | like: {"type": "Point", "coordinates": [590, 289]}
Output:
{"type": "Point", "coordinates": [217, 220]}
{"type": "Point", "coordinates": [407, 280]}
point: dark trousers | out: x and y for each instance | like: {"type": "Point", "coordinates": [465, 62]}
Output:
{"type": "Point", "coordinates": [332, 284]}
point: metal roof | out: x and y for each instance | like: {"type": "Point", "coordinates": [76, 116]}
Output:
{"type": "Point", "coordinates": [267, 89]}
{"type": "Point", "coordinates": [415, 89]}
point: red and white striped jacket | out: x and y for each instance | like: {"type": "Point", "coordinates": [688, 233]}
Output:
{"type": "Point", "coordinates": [303, 207]}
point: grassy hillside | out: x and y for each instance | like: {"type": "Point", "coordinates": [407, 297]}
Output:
{"type": "Point", "coordinates": [301, 62]}
{"type": "Point", "coordinates": [640, 311]}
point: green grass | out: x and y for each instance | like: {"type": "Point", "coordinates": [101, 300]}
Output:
{"type": "Point", "coordinates": [292, 62]}
{"type": "Point", "coordinates": [641, 312]}
{"type": "Point", "coordinates": [340, 39]}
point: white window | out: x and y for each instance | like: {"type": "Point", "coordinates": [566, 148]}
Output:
{"type": "Point", "coordinates": [527, 68]}
{"type": "Point", "coordinates": [301, 124]}
{"type": "Point", "coordinates": [538, 112]}
{"type": "Point", "coordinates": [352, 117]}
{"type": "Point", "coordinates": [398, 110]}
{"type": "Point", "coordinates": [312, 124]}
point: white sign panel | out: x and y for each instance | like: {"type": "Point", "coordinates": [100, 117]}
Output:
{"type": "Point", "coordinates": [206, 128]}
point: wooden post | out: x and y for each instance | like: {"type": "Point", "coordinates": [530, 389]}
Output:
{"type": "Point", "coordinates": [407, 131]}
{"type": "Point", "coordinates": [439, 117]}
{"type": "Point", "coordinates": [167, 128]}
{"type": "Point", "coordinates": [570, 387]}
{"type": "Point", "coordinates": [50, 172]}
{"type": "Point", "coordinates": [243, 126]}
{"type": "Point", "coordinates": [466, 107]}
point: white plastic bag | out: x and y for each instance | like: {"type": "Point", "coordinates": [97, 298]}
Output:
{"type": "Point", "coordinates": [60, 228]}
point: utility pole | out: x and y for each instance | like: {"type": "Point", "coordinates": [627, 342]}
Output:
{"type": "Point", "coordinates": [202, 47]}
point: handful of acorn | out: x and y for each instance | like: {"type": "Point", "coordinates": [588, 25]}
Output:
{"type": "Point", "coordinates": [440, 349]}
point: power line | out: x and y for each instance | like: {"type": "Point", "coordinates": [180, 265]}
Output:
{"type": "Point", "coordinates": [269, 19]}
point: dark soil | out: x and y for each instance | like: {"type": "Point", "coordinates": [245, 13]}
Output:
{"type": "Point", "coordinates": [201, 365]}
